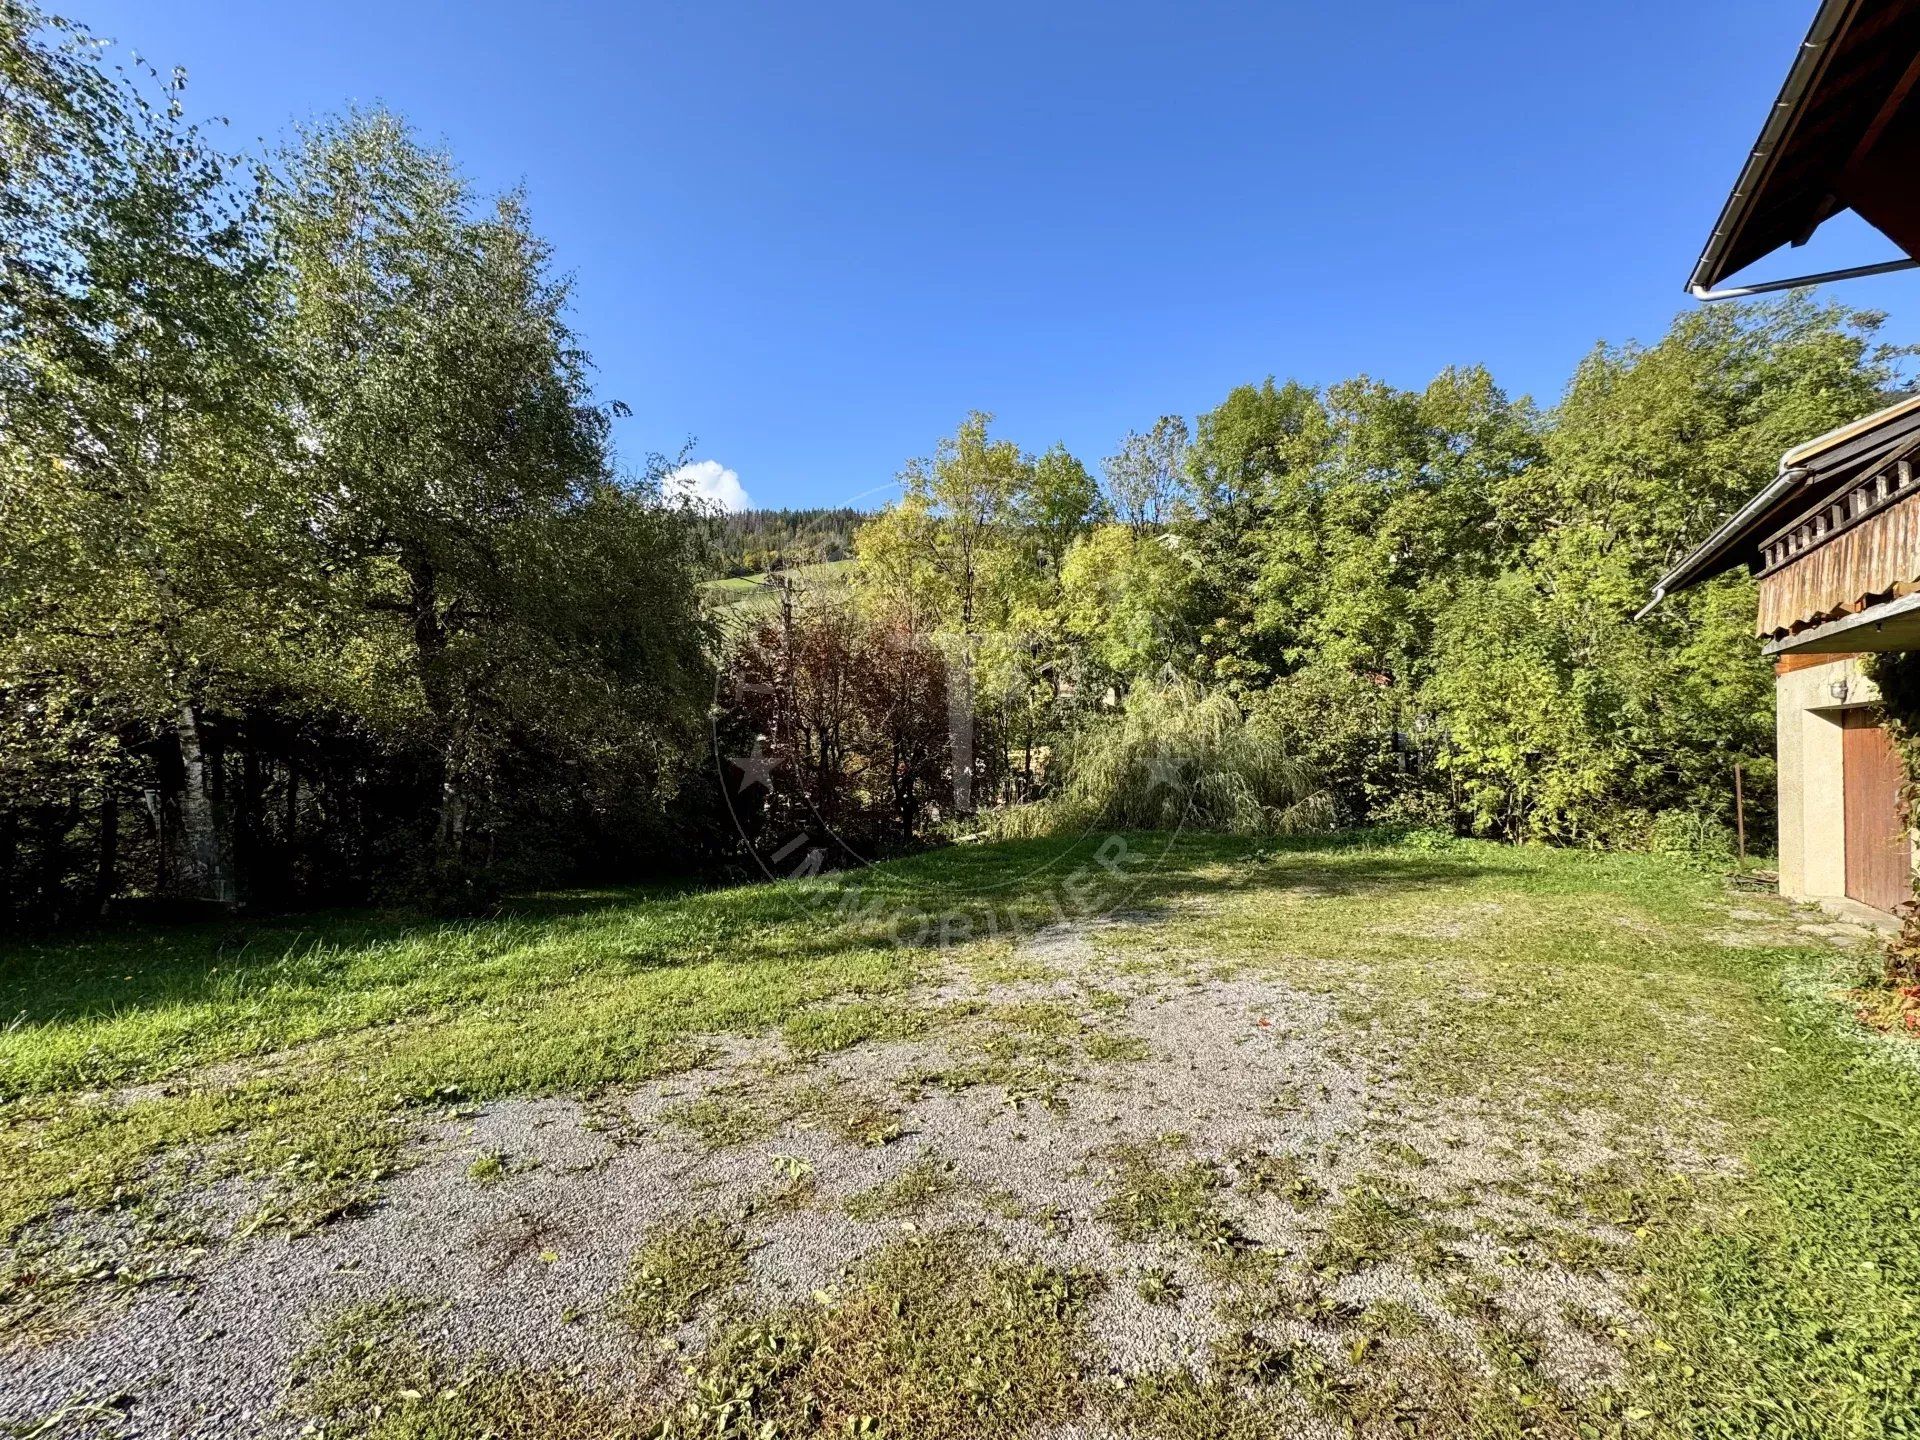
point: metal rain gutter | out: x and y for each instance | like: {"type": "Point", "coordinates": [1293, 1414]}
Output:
{"type": "Point", "coordinates": [1719, 539]}
{"type": "Point", "coordinates": [1806, 65]}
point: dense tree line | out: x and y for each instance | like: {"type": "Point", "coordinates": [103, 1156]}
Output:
{"type": "Point", "coordinates": [748, 542]}
{"type": "Point", "coordinates": [317, 577]}
{"type": "Point", "coordinates": [1430, 595]}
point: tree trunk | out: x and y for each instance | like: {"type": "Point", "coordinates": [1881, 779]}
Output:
{"type": "Point", "coordinates": [9, 858]}
{"type": "Point", "coordinates": [290, 825]}
{"type": "Point", "coordinates": [51, 864]}
{"type": "Point", "coordinates": [106, 870]}
{"type": "Point", "coordinates": [156, 800]}
{"type": "Point", "coordinates": [288, 846]}
{"type": "Point", "coordinates": [960, 727]}
{"type": "Point", "coordinates": [249, 829]}
{"type": "Point", "coordinates": [430, 649]}
{"type": "Point", "coordinates": [450, 830]}
{"type": "Point", "coordinates": [205, 841]}
{"type": "Point", "coordinates": [960, 698]}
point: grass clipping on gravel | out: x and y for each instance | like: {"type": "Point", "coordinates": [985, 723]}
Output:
{"type": "Point", "coordinates": [914, 1190]}
{"type": "Point", "coordinates": [683, 1266]}
{"type": "Point", "coordinates": [371, 1375]}
{"type": "Point", "coordinates": [935, 1337]}
{"type": "Point", "coordinates": [1155, 1197]}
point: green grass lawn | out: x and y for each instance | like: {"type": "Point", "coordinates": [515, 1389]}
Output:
{"type": "Point", "coordinates": [1778, 1286]}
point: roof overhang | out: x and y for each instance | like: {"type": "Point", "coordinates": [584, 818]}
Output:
{"type": "Point", "coordinates": [1894, 625]}
{"type": "Point", "coordinates": [1807, 472]}
{"type": "Point", "coordinates": [1843, 134]}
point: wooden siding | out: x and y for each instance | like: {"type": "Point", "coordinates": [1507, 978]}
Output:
{"type": "Point", "coordinates": [1837, 514]}
{"type": "Point", "coordinates": [1875, 560]}
{"type": "Point", "coordinates": [1787, 664]}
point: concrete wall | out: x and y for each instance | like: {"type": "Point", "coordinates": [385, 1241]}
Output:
{"type": "Point", "coordinates": [1809, 703]}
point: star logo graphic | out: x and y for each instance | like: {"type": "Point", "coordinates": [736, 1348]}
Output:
{"type": "Point", "coordinates": [1164, 770]}
{"type": "Point", "coordinates": [755, 769]}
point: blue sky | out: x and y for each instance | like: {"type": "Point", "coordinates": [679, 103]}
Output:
{"type": "Point", "coordinates": [813, 236]}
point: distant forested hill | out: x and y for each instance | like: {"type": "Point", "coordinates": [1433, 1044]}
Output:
{"type": "Point", "coordinates": [754, 540]}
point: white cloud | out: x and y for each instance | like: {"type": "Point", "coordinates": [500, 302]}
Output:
{"type": "Point", "coordinates": [712, 482]}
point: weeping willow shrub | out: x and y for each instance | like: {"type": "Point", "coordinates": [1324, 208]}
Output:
{"type": "Point", "coordinates": [1175, 757]}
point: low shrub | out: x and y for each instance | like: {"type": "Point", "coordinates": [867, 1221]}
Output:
{"type": "Point", "coordinates": [1685, 835]}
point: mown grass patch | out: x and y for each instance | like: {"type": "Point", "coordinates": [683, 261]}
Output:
{"type": "Point", "coordinates": [1376, 1222]}
{"type": "Point", "coordinates": [1176, 1404]}
{"type": "Point", "coordinates": [1762, 1205]}
{"type": "Point", "coordinates": [937, 1336]}
{"type": "Point", "coordinates": [1109, 1048]}
{"type": "Point", "coordinates": [1020, 1082]}
{"type": "Point", "coordinates": [684, 1266]}
{"type": "Point", "coordinates": [370, 1375]}
{"type": "Point", "coordinates": [739, 1114]}
{"type": "Point", "coordinates": [840, 1027]}
{"type": "Point", "coordinates": [489, 1167]}
{"type": "Point", "coordinates": [300, 1055]}
{"type": "Point", "coordinates": [914, 1191]}
{"type": "Point", "coordinates": [796, 1189]}
{"type": "Point", "coordinates": [1155, 1193]}
{"type": "Point", "coordinates": [1262, 1172]}
{"type": "Point", "coordinates": [723, 1116]}
{"type": "Point", "coordinates": [849, 1111]}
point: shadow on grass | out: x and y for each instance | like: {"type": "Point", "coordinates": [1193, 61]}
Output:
{"type": "Point", "coordinates": [122, 968]}
{"type": "Point", "coordinates": [1163, 867]}
{"type": "Point", "coordinates": [310, 959]}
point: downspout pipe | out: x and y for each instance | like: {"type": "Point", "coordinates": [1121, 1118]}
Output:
{"type": "Point", "coordinates": [1767, 287]}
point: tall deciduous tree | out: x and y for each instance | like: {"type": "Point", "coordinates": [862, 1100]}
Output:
{"type": "Point", "coordinates": [1126, 598]}
{"type": "Point", "coordinates": [1147, 480]}
{"type": "Point", "coordinates": [974, 488]}
{"type": "Point", "coordinates": [462, 476]}
{"type": "Point", "coordinates": [1567, 717]}
{"type": "Point", "coordinates": [896, 576]}
{"type": "Point", "coordinates": [138, 399]}
{"type": "Point", "coordinates": [1061, 503]}
{"type": "Point", "coordinates": [1255, 467]}
{"type": "Point", "coordinates": [312, 554]}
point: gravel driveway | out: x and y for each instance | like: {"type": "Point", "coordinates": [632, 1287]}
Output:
{"type": "Point", "coordinates": [1029, 1109]}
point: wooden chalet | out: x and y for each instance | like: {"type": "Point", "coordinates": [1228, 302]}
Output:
{"type": "Point", "coordinates": [1834, 538]}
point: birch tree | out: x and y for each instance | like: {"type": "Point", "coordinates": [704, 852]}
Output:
{"type": "Point", "coordinates": [140, 434]}
{"type": "Point", "coordinates": [1147, 479]}
{"type": "Point", "coordinates": [460, 470]}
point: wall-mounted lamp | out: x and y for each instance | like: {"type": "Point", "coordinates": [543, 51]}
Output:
{"type": "Point", "coordinates": [1838, 689]}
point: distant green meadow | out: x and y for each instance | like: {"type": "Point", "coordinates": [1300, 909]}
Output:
{"type": "Point", "coordinates": [754, 591]}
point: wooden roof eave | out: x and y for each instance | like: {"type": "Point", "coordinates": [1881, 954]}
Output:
{"type": "Point", "coordinates": [1840, 135]}
{"type": "Point", "coordinates": [1832, 457]}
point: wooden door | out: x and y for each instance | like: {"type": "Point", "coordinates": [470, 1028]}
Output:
{"type": "Point", "coordinates": [1879, 869]}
